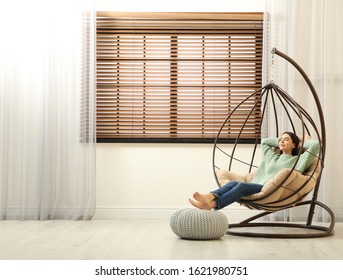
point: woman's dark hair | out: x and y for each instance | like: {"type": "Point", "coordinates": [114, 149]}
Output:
{"type": "Point", "coordinates": [295, 140]}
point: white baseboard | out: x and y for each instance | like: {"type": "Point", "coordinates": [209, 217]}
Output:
{"type": "Point", "coordinates": [234, 215]}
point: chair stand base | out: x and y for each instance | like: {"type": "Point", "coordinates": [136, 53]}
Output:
{"type": "Point", "coordinates": [298, 230]}
{"type": "Point", "coordinates": [311, 231]}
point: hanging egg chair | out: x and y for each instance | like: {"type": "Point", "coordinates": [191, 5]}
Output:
{"type": "Point", "coordinates": [289, 188]}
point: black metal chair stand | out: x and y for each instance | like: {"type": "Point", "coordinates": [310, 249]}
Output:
{"type": "Point", "coordinates": [271, 98]}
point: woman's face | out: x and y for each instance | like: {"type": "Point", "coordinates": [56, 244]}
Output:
{"type": "Point", "coordinates": [286, 144]}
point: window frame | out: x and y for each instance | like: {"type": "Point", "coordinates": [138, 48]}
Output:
{"type": "Point", "coordinates": [215, 17]}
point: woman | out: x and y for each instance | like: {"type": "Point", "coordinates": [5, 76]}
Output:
{"type": "Point", "coordinates": [271, 164]}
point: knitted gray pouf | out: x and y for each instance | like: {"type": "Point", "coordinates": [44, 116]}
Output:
{"type": "Point", "coordinates": [199, 224]}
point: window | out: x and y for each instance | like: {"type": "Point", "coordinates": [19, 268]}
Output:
{"type": "Point", "coordinates": [174, 77]}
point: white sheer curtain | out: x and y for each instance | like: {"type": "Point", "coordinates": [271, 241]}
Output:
{"type": "Point", "coordinates": [47, 109]}
{"type": "Point", "coordinates": [310, 32]}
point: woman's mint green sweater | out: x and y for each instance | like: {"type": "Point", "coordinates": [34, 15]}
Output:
{"type": "Point", "coordinates": [272, 162]}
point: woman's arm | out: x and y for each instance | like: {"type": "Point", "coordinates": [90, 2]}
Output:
{"type": "Point", "coordinates": [310, 151]}
{"type": "Point", "coordinates": [268, 145]}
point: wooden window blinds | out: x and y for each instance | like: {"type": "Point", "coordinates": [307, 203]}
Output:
{"type": "Point", "coordinates": [174, 77]}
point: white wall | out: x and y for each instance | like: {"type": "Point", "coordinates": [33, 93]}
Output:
{"type": "Point", "coordinates": [153, 180]}
{"type": "Point", "coordinates": [180, 5]}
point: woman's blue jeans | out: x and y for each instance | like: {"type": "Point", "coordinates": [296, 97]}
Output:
{"type": "Point", "coordinates": [233, 191]}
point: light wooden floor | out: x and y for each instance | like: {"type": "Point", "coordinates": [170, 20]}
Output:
{"type": "Point", "coordinates": [148, 240]}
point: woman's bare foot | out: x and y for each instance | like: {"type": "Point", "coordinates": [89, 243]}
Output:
{"type": "Point", "coordinates": [203, 201]}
